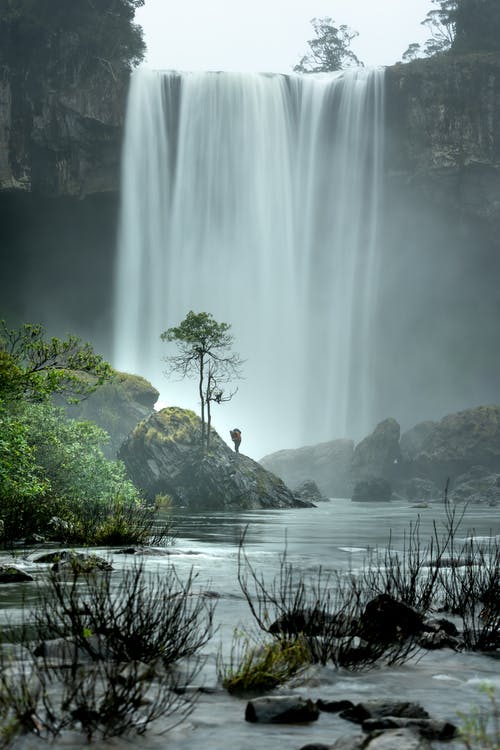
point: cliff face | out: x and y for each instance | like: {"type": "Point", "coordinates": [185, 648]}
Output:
{"type": "Point", "coordinates": [443, 131]}
{"type": "Point", "coordinates": [61, 141]}
{"type": "Point", "coordinates": [442, 124]}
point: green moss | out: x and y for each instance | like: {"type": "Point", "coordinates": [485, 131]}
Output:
{"type": "Point", "coordinates": [261, 668]}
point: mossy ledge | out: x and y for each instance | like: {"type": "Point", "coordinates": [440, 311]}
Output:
{"type": "Point", "coordinates": [164, 456]}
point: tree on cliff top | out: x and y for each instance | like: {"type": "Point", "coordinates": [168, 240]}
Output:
{"type": "Point", "coordinates": [204, 351]}
{"type": "Point", "coordinates": [330, 49]}
{"type": "Point", "coordinates": [459, 26]}
{"type": "Point", "coordinates": [52, 38]}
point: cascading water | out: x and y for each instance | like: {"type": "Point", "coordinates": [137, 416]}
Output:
{"type": "Point", "coordinates": [255, 197]}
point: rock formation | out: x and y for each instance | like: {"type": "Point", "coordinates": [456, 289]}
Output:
{"type": "Point", "coordinates": [117, 407]}
{"type": "Point", "coordinates": [163, 457]}
{"type": "Point", "coordinates": [328, 464]}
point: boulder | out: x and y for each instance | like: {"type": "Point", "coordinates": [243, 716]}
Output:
{"type": "Point", "coordinates": [380, 709]}
{"type": "Point", "coordinates": [164, 456]}
{"type": "Point", "coordinates": [11, 574]}
{"type": "Point", "coordinates": [412, 440]}
{"type": "Point", "coordinates": [432, 729]}
{"type": "Point", "coordinates": [281, 709]}
{"type": "Point", "coordinates": [478, 485]}
{"type": "Point", "coordinates": [379, 453]}
{"type": "Point", "coordinates": [117, 407]}
{"type": "Point", "coordinates": [386, 620]}
{"type": "Point", "coordinates": [309, 491]}
{"type": "Point", "coordinates": [374, 489]}
{"type": "Point", "coordinates": [328, 464]}
{"type": "Point", "coordinates": [459, 442]}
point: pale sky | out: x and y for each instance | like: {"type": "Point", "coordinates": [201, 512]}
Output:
{"type": "Point", "coordinates": [271, 35]}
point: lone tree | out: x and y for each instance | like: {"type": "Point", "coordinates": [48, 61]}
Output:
{"type": "Point", "coordinates": [204, 351]}
{"type": "Point", "coordinates": [330, 49]}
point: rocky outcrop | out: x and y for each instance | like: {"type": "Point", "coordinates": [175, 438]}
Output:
{"type": "Point", "coordinates": [375, 489]}
{"type": "Point", "coordinates": [309, 490]}
{"type": "Point", "coordinates": [163, 457]}
{"type": "Point", "coordinates": [376, 455]}
{"type": "Point", "coordinates": [443, 137]}
{"type": "Point", "coordinates": [117, 407]}
{"type": "Point", "coordinates": [456, 444]}
{"type": "Point", "coordinates": [63, 140]}
{"type": "Point", "coordinates": [328, 464]}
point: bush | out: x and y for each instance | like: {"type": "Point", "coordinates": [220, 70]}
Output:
{"type": "Point", "coordinates": [117, 648]}
{"type": "Point", "coordinates": [480, 728]}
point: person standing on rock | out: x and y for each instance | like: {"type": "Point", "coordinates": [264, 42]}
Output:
{"type": "Point", "coordinates": [236, 438]}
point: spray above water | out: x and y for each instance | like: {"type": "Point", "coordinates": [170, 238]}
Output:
{"type": "Point", "coordinates": [256, 198]}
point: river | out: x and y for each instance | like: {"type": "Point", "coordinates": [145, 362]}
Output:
{"type": "Point", "coordinates": [338, 534]}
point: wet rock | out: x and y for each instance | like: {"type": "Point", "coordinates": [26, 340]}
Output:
{"type": "Point", "coordinates": [310, 622]}
{"type": "Point", "coordinates": [459, 442]}
{"type": "Point", "coordinates": [374, 489]}
{"type": "Point", "coordinates": [387, 620]}
{"type": "Point", "coordinates": [378, 453]}
{"type": "Point", "coordinates": [333, 707]}
{"type": "Point", "coordinates": [75, 562]}
{"type": "Point", "coordinates": [479, 485]}
{"type": "Point", "coordinates": [395, 739]}
{"type": "Point", "coordinates": [309, 491]}
{"type": "Point", "coordinates": [380, 709]}
{"type": "Point", "coordinates": [282, 709]}
{"type": "Point", "coordinates": [429, 728]}
{"type": "Point", "coordinates": [11, 574]}
{"type": "Point", "coordinates": [163, 455]}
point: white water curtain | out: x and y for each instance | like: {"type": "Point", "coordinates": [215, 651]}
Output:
{"type": "Point", "coordinates": [256, 198]}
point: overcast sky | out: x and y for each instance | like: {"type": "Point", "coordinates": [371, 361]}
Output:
{"type": "Point", "coordinates": [271, 35]}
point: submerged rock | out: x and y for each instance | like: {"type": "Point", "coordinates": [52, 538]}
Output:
{"type": "Point", "coordinates": [164, 456]}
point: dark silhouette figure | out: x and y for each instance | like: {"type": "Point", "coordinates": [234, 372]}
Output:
{"type": "Point", "coordinates": [236, 438]}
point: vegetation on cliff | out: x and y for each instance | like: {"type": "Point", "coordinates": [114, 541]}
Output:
{"type": "Point", "coordinates": [458, 27]}
{"type": "Point", "coordinates": [53, 39]}
{"type": "Point", "coordinates": [54, 478]}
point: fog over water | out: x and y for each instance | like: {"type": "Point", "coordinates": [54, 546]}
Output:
{"type": "Point", "coordinates": [257, 198]}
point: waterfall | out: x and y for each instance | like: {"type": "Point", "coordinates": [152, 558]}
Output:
{"type": "Point", "coordinates": [256, 198]}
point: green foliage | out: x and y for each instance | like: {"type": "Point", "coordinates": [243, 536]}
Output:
{"type": "Point", "coordinates": [53, 38]}
{"type": "Point", "coordinates": [34, 368]}
{"type": "Point", "coordinates": [204, 351]}
{"type": "Point", "coordinates": [330, 48]}
{"type": "Point", "coordinates": [480, 728]}
{"type": "Point", "coordinates": [459, 26]}
{"type": "Point", "coordinates": [259, 667]}
{"type": "Point", "coordinates": [51, 466]}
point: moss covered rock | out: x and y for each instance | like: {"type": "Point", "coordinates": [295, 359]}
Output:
{"type": "Point", "coordinates": [164, 456]}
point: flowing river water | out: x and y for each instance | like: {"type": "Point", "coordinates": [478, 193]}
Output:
{"type": "Point", "coordinates": [337, 535]}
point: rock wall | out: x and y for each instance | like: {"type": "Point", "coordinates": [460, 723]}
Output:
{"type": "Point", "coordinates": [61, 141]}
{"type": "Point", "coordinates": [443, 131]}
